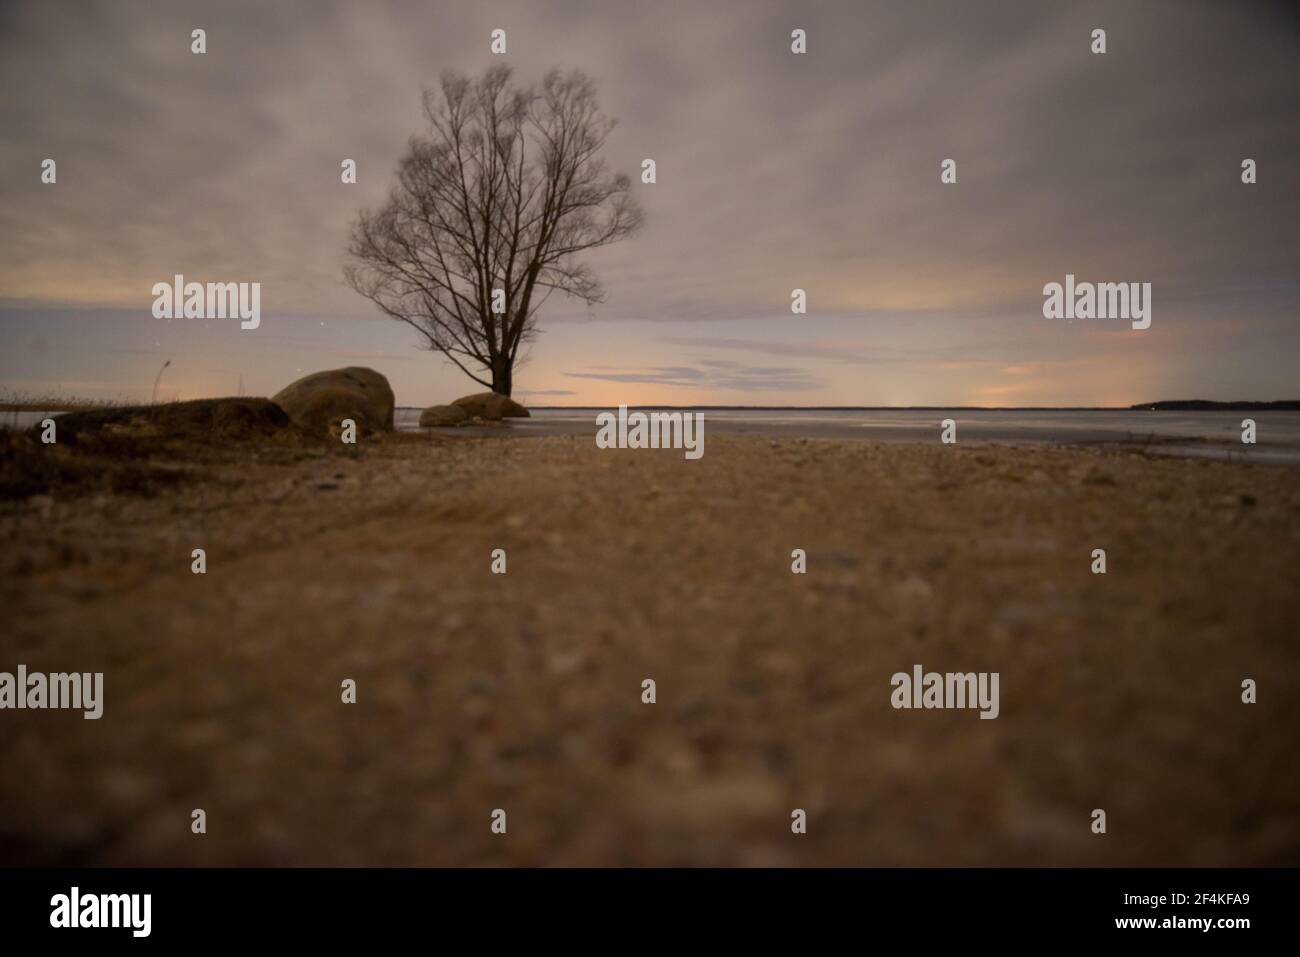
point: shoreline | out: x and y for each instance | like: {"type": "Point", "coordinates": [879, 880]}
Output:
{"type": "Point", "coordinates": [1193, 435]}
{"type": "Point", "coordinates": [1190, 435]}
{"type": "Point", "coordinates": [1216, 433]}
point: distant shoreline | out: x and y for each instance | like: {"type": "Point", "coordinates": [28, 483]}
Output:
{"type": "Point", "coordinates": [1177, 405]}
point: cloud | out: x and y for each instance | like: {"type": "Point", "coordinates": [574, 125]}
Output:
{"type": "Point", "coordinates": [775, 171]}
{"type": "Point", "coordinates": [727, 377]}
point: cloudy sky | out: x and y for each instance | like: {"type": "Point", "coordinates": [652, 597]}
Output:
{"type": "Point", "coordinates": [775, 171]}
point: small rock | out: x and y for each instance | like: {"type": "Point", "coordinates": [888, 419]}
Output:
{"type": "Point", "coordinates": [491, 406]}
{"type": "Point", "coordinates": [914, 588]}
{"type": "Point", "coordinates": [442, 416]}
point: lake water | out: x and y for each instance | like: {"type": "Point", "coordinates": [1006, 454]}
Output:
{"type": "Point", "coordinates": [1199, 434]}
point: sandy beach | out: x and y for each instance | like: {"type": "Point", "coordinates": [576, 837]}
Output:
{"type": "Point", "coordinates": [522, 691]}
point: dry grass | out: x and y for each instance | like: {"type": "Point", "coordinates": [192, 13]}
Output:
{"type": "Point", "coordinates": [53, 402]}
{"type": "Point", "coordinates": [139, 449]}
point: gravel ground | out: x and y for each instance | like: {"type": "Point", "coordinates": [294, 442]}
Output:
{"type": "Point", "coordinates": [523, 691]}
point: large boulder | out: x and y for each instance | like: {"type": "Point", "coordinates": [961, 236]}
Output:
{"type": "Point", "coordinates": [320, 401]}
{"type": "Point", "coordinates": [492, 406]}
{"type": "Point", "coordinates": [442, 415]}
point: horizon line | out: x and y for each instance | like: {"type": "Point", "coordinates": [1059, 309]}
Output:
{"type": "Point", "coordinates": [1171, 405]}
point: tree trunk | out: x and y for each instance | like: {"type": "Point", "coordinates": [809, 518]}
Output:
{"type": "Point", "coordinates": [502, 376]}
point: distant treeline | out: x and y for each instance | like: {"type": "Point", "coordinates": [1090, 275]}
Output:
{"type": "Point", "coordinates": [1200, 405]}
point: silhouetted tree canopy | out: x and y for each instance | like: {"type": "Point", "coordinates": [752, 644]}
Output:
{"type": "Point", "coordinates": [505, 192]}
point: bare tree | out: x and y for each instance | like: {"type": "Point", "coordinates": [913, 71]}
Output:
{"type": "Point", "coordinates": [490, 214]}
